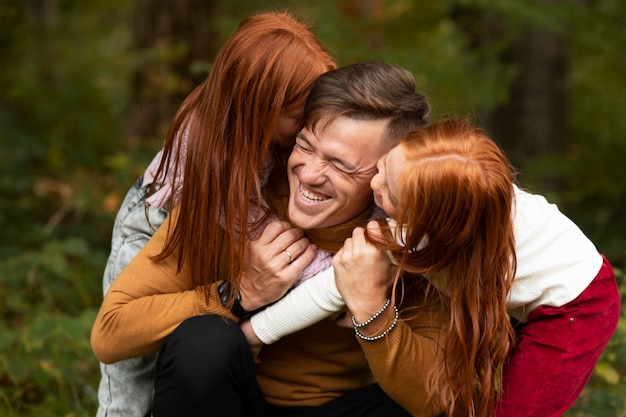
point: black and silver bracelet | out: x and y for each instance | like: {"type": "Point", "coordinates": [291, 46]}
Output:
{"type": "Point", "coordinates": [371, 319]}
{"type": "Point", "coordinates": [383, 334]}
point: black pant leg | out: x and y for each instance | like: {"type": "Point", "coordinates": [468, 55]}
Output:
{"type": "Point", "coordinates": [369, 401]}
{"type": "Point", "coordinates": [205, 368]}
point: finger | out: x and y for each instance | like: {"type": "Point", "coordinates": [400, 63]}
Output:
{"type": "Point", "coordinates": [336, 259]}
{"type": "Point", "coordinates": [358, 230]}
{"type": "Point", "coordinates": [303, 259]}
{"type": "Point", "coordinates": [358, 233]}
{"type": "Point", "coordinates": [358, 239]}
{"type": "Point", "coordinates": [373, 227]}
{"type": "Point", "coordinates": [290, 256]}
{"type": "Point", "coordinates": [275, 229]}
{"type": "Point", "coordinates": [296, 249]}
{"type": "Point", "coordinates": [285, 240]}
{"type": "Point", "coordinates": [345, 250]}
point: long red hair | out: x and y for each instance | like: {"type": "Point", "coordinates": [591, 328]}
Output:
{"type": "Point", "coordinates": [267, 64]}
{"type": "Point", "coordinates": [455, 201]}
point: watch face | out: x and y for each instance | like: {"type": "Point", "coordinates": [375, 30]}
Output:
{"type": "Point", "coordinates": [224, 292]}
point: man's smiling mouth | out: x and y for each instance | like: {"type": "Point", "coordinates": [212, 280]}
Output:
{"type": "Point", "coordinates": [312, 197]}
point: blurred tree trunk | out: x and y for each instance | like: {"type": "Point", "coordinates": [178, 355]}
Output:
{"type": "Point", "coordinates": [533, 123]}
{"type": "Point", "coordinates": [170, 38]}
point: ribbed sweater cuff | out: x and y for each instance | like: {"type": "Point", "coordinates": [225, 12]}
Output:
{"type": "Point", "coordinates": [310, 302]}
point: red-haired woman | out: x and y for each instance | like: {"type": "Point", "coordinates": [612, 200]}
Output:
{"type": "Point", "coordinates": [234, 129]}
{"type": "Point", "coordinates": [485, 248]}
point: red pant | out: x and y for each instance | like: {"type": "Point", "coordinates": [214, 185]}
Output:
{"type": "Point", "coordinates": [557, 350]}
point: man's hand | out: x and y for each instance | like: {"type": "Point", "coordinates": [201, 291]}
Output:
{"type": "Point", "coordinates": [273, 261]}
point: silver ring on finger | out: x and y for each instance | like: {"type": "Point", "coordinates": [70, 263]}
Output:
{"type": "Point", "coordinates": [286, 251]}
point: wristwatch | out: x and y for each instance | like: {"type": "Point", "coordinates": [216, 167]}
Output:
{"type": "Point", "coordinates": [223, 289]}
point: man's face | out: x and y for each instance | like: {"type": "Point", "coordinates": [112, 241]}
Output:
{"type": "Point", "coordinates": [330, 170]}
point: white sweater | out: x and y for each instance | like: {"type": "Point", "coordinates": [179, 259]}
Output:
{"type": "Point", "coordinates": [555, 260]}
{"type": "Point", "coordinates": [555, 263]}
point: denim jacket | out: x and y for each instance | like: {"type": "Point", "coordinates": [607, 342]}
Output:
{"type": "Point", "coordinates": [126, 387]}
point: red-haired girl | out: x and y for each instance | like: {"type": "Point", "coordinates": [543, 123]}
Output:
{"type": "Point", "coordinates": [234, 129]}
{"type": "Point", "coordinates": [486, 249]}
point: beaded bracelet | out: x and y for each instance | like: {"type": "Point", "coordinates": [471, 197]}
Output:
{"type": "Point", "coordinates": [383, 334]}
{"type": "Point", "coordinates": [371, 319]}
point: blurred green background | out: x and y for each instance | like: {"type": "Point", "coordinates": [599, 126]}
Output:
{"type": "Point", "coordinates": [87, 90]}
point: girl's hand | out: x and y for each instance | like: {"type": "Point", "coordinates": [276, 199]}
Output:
{"type": "Point", "coordinates": [363, 274]}
{"type": "Point", "coordinates": [273, 261]}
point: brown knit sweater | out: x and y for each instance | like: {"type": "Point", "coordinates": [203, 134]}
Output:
{"type": "Point", "coordinates": [149, 300]}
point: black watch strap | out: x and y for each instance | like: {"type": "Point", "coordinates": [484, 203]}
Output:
{"type": "Point", "coordinates": [224, 291]}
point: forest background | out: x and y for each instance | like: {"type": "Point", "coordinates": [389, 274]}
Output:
{"type": "Point", "coordinates": [87, 89]}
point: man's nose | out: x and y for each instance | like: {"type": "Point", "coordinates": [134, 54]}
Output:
{"type": "Point", "coordinates": [313, 171]}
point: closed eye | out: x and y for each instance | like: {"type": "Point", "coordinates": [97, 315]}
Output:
{"type": "Point", "coordinates": [302, 148]}
{"type": "Point", "coordinates": [341, 169]}
{"type": "Point", "coordinates": [302, 143]}
{"type": "Point", "coordinates": [338, 164]}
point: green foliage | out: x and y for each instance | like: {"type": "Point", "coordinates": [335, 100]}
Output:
{"type": "Point", "coordinates": [48, 300]}
{"type": "Point", "coordinates": [62, 104]}
{"type": "Point", "coordinates": [61, 116]}
{"type": "Point", "coordinates": [65, 164]}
